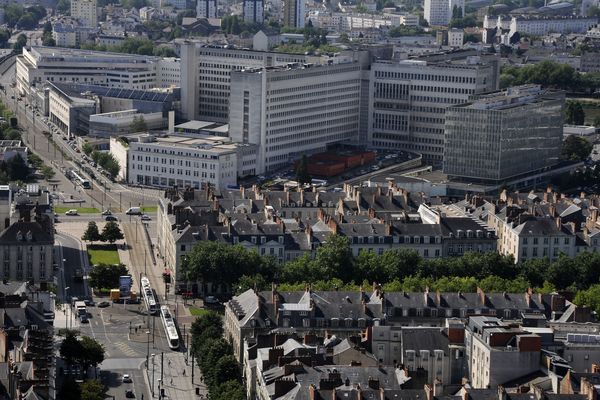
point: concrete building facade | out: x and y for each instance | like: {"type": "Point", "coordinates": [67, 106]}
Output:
{"type": "Point", "coordinates": [294, 13]}
{"type": "Point", "coordinates": [206, 9]}
{"type": "Point", "coordinates": [439, 12]}
{"type": "Point", "coordinates": [408, 99]}
{"type": "Point", "coordinates": [254, 11]}
{"type": "Point", "coordinates": [205, 76]}
{"type": "Point", "coordinates": [289, 111]}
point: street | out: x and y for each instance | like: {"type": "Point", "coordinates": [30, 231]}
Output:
{"type": "Point", "coordinates": [129, 336]}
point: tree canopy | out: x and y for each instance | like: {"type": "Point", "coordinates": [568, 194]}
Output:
{"type": "Point", "coordinates": [111, 232]}
{"type": "Point", "coordinates": [302, 175]}
{"type": "Point", "coordinates": [574, 113]}
{"type": "Point", "coordinates": [576, 148]}
{"type": "Point", "coordinates": [103, 276]}
{"type": "Point", "coordinates": [550, 74]}
{"type": "Point", "coordinates": [91, 234]}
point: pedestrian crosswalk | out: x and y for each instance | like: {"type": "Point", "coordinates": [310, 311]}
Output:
{"type": "Point", "coordinates": [121, 349]}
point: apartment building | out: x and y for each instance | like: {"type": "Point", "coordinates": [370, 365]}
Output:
{"type": "Point", "coordinates": [439, 12]}
{"type": "Point", "coordinates": [292, 110]}
{"type": "Point", "coordinates": [408, 98]}
{"type": "Point", "coordinates": [178, 160]}
{"type": "Point", "coordinates": [294, 13]}
{"type": "Point", "coordinates": [206, 9]}
{"type": "Point", "coordinates": [539, 26]}
{"type": "Point", "coordinates": [69, 32]}
{"type": "Point", "coordinates": [492, 137]}
{"type": "Point", "coordinates": [254, 11]}
{"type": "Point", "coordinates": [498, 353]}
{"type": "Point", "coordinates": [205, 76]}
{"type": "Point", "coordinates": [86, 11]}
{"type": "Point", "coordinates": [38, 65]}
{"type": "Point", "coordinates": [27, 244]}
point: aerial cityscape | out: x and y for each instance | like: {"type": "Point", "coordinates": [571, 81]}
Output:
{"type": "Point", "coordinates": [300, 200]}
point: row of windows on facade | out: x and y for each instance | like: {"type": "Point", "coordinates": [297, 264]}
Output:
{"type": "Point", "coordinates": [173, 152]}
{"type": "Point", "coordinates": [185, 172]}
{"type": "Point", "coordinates": [168, 182]}
{"type": "Point", "coordinates": [181, 163]}
{"type": "Point", "coordinates": [425, 77]}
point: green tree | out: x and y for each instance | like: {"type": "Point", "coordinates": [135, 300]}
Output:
{"type": "Point", "coordinates": [593, 11]}
{"type": "Point", "coordinates": [230, 390]}
{"type": "Point", "coordinates": [92, 352]}
{"type": "Point", "coordinates": [589, 297]}
{"type": "Point", "coordinates": [27, 21]}
{"type": "Point", "coordinates": [87, 149]}
{"type": "Point", "coordinates": [574, 113]}
{"type": "Point", "coordinates": [138, 125]}
{"type": "Point", "coordinates": [63, 7]}
{"type": "Point", "coordinates": [70, 348]}
{"type": "Point", "coordinates": [111, 232]}
{"type": "Point", "coordinates": [576, 148]}
{"type": "Point", "coordinates": [91, 234]}
{"type": "Point", "coordinates": [12, 13]}
{"type": "Point", "coordinates": [4, 36]}
{"type": "Point", "coordinates": [93, 389]}
{"type": "Point", "coordinates": [302, 175]}
{"type": "Point", "coordinates": [69, 390]}
{"type": "Point", "coordinates": [17, 169]}
{"type": "Point", "coordinates": [47, 172]}
{"type": "Point", "coordinates": [334, 259]}
{"type": "Point", "coordinates": [20, 43]}
{"type": "Point", "coordinates": [103, 276]}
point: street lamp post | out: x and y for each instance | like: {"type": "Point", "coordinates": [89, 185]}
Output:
{"type": "Point", "coordinates": [66, 319]}
{"type": "Point", "coordinates": [153, 374]}
{"type": "Point", "coordinates": [147, 348]}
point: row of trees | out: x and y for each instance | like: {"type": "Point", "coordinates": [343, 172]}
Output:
{"type": "Point", "coordinates": [550, 74]}
{"type": "Point", "coordinates": [134, 45]}
{"type": "Point", "coordinates": [17, 16]}
{"type": "Point", "coordinates": [85, 352]}
{"type": "Point", "coordinates": [219, 367]}
{"type": "Point", "coordinates": [576, 148]}
{"type": "Point", "coordinates": [334, 263]}
{"type": "Point", "coordinates": [107, 161]}
{"type": "Point", "coordinates": [110, 233]}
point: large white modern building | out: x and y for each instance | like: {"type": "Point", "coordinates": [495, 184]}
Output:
{"type": "Point", "coordinates": [38, 65]}
{"type": "Point", "coordinates": [291, 110]}
{"type": "Point", "coordinates": [439, 12]}
{"type": "Point", "coordinates": [408, 98]}
{"type": "Point", "coordinates": [205, 75]}
{"type": "Point", "coordinates": [169, 160]}
{"type": "Point", "coordinates": [86, 11]}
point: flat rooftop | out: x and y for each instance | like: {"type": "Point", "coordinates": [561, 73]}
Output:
{"type": "Point", "coordinates": [207, 143]}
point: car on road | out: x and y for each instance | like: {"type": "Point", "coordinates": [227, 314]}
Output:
{"type": "Point", "coordinates": [145, 217]}
{"type": "Point", "coordinates": [71, 212]}
{"type": "Point", "coordinates": [211, 300]}
{"type": "Point", "coordinates": [106, 212]}
{"type": "Point", "coordinates": [129, 394]}
{"type": "Point", "coordinates": [103, 304]}
{"type": "Point", "coordinates": [133, 211]}
{"type": "Point", "coordinates": [111, 218]}
{"type": "Point", "coordinates": [126, 378]}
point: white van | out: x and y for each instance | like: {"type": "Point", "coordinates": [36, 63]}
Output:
{"type": "Point", "coordinates": [133, 211]}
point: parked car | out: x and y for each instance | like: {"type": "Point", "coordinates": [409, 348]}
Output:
{"type": "Point", "coordinates": [145, 217]}
{"type": "Point", "coordinates": [71, 212]}
{"type": "Point", "coordinates": [106, 212]}
{"type": "Point", "coordinates": [126, 378]}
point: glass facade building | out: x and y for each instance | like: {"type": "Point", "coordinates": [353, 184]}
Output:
{"type": "Point", "coordinates": [504, 134]}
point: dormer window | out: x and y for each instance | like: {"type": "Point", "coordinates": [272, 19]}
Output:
{"type": "Point", "coordinates": [19, 236]}
{"type": "Point", "coordinates": [29, 236]}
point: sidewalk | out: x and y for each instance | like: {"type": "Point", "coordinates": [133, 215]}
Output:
{"type": "Point", "coordinates": [176, 377]}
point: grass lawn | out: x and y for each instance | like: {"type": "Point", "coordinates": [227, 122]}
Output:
{"type": "Point", "coordinates": [149, 209]}
{"type": "Point", "coordinates": [80, 210]}
{"type": "Point", "coordinates": [195, 311]}
{"type": "Point", "coordinates": [103, 254]}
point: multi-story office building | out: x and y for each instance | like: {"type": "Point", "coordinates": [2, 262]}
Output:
{"type": "Point", "coordinates": [205, 75]}
{"type": "Point", "coordinates": [505, 134]}
{"type": "Point", "coordinates": [175, 160]}
{"type": "Point", "coordinates": [292, 110]}
{"type": "Point", "coordinates": [439, 12]}
{"type": "Point", "coordinates": [86, 11]}
{"type": "Point", "coordinates": [254, 11]}
{"type": "Point", "coordinates": [294, 13]}
{"type": "Point", "coordinates": [408, 98]}
{"type": "Point", "coordinates": [206, 9]}
{"type": "Point", "coordinates": [38, 65]}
